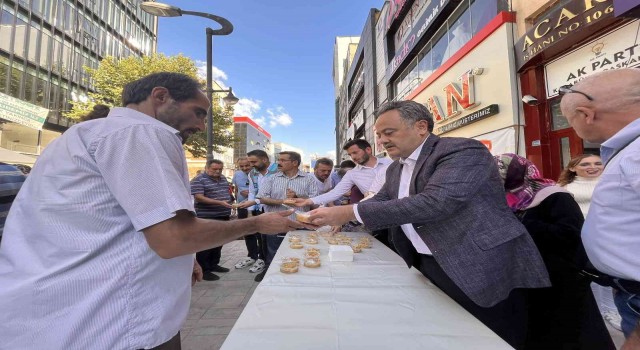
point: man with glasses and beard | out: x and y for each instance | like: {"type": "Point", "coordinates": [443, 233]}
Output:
{"type": "Point", "coordinates": [605, 108]}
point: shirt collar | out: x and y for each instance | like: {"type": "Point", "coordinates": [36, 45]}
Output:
{"type": "Point", "coordinates": [624, 136]}
{"type": "Point", "coordinates": [413, 157]}
{"type": "Point", "coordinates": [300, 173]}
{"type": "Point", "coordinates": [139, 116]}
{"type": "Point", "coordinates": [378, 163]}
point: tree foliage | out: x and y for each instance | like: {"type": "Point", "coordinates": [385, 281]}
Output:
{"type": "Point", "coordinates": [113, 74]}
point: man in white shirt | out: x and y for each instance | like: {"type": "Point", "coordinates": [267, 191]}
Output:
{"type": "Point", "coordinates": [103, 258]}
{"type": "Point", "coordinates": [605, 108]}
{"type": "Point", "coordinates": [322, 171]}
{"type": "Point", "coordinates": [362, 176]}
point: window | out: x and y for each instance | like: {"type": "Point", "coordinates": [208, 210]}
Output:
{"type": "Point", "coordinates": [4, 71]}
{"type": "Point", "coordinates": [45, 44]}
{"type": "Point", "coordinates": [6, 25]}
{"type": "Point", "coordinates": [16, 77]}
{"type": "Point", "coordinates": [33, 42]}
{"type": "Point", "coordinates": [20, 35]}
{"type": "Point", "coordinates": [482, 11]}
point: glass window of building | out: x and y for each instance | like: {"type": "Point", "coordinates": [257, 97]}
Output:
{"type": "Point", "coordinates": [4, 71]}
{"type": "Point", "coordinates": [482, 11]}
{"type": "Point", "coordinates": [34, 32]}
{"type": "Point", "coordinates": [440, 45]}
{"type": "Point", "coordinates": [6, 28]}
{"type": "Point", "coordinates": [459, 29]}
{"type": "Point", "coordinates": [36, 6]}
{"type": "Point", "coordinates": [45, 44]}
{"type": "Point", "coordinates": [41, 89]}
{"type": "Point", "coordinates": [20, 35]}
{"type": "Point", "coordinates": [16, 78]}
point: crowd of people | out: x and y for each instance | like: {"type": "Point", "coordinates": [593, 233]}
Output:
{"type": "Point", "coordinates": [103, 259]}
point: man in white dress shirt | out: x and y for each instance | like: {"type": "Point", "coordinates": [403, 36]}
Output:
{"type": "Point", "coordinates": [98, 247]}
{"type": "Point", "coordinates": [605, 108]}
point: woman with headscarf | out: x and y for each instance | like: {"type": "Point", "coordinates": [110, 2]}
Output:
{"type": "Point", "coordinates": [565, 315]}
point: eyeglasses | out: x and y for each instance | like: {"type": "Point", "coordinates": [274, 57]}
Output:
{"type": "Point", "coordinates": [566, 89]}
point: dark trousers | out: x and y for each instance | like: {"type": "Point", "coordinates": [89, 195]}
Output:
{"type": "Point", "coordinates": [209, 258]}
{"type": "Point", "coordinates": [508, 318]}
{"type": "Point", "coordinates": [251, 241]}
{"type": "Point", "coordinates": [273, 243]}
{"type": "Point", "coordinates": [384, 237]}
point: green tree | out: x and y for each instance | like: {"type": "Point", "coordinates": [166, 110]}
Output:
{"type": "Point", "coordinates": [113, 74]}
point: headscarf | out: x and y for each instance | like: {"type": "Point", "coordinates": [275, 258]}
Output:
{"type": "Point", "coordinates": [524, 185]}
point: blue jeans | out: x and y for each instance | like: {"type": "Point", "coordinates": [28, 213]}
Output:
{"type": "Point", "coordinates": [629, 307]}
{"type": "Point", "coordinates": [273, 243]}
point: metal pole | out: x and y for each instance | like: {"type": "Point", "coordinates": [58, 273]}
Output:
{"type": "Point", "coordinates": [210, 94]}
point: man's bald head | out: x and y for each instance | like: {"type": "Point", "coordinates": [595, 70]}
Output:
{"type": "Point", "coordinates": [616, 103]}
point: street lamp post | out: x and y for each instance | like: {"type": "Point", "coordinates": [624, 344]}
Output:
{"type": "Point", "coordinates": [164, 10]}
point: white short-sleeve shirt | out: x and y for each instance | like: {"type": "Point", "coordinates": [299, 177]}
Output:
{"type": "Point", "coordinates": [75, 270]}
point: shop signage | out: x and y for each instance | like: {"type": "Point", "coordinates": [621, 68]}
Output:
{"type": "Point", "coordinates": [429, 13]}
{"type": "Point", "coordinates": [615, 50]}
{"type": "Point", "coordinates": [560, 23]}
{"type": "Point", "coordinates": [454, 97]}
{"type": "Point", "coordinates": [470, 118]}
{"type": "Point", "coordinates": [499, 141]}
{"type": "Point", "coordinates": [395, 8]}
{"type": "Point", "coordinates": [22, 112]}
{"type": "Point", "coordinates": [409, 21]}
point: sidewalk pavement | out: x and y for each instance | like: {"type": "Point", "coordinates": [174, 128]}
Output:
{"type": "Point", "coordinates": [216, 305]}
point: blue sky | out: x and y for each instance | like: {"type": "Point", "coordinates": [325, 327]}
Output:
{"type": "Point", "coordinates": [278, 59]}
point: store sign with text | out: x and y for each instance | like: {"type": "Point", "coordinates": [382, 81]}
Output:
{"type": "Point", "coordinates": [615, 50]}
{"type": "Point", "coordinates": [560, 23]}
{"type": "Point", "coordinates": [409, 21]}
{"type": "Point", "coordinates": [22, 112]}
{"type": "Point", "coordinates": [430, 12]}
{"type": "Point", "coordinates": [458, 97]}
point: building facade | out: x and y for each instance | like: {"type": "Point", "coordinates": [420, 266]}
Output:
{"type": "Point", "coordinates": [249, 136]}
{"type": "Point", "coordinates": [44, 45]}
{"type": "Point", "coordinates": [473, 62]}
{"type": "Point", "coordinates": [357, 99]}
{"type": "Point", "coordinates": [559, 44]}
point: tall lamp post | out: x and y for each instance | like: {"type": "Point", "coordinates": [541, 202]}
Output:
{"type": "Point", "coordinates": [164, 10]}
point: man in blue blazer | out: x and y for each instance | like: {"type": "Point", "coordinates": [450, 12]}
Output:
{"type": "Point", "coordinates": [445, 206]}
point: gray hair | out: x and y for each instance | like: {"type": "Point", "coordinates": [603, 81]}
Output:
{"type": "Point", "coordinates": [410, 111]}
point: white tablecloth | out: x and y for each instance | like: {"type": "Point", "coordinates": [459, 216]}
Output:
{"type": "Point", "coordinates": [374, 302]}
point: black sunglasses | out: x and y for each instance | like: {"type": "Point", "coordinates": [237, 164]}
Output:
{"type": "Point", "coordinates": [566, 89]}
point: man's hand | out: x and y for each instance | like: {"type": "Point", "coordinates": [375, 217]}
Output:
{"type": "Point", "coordinates": [246, 204]}
{"type": "Point", "coordinates": [276, 222]}
{"type": "Point", "coordinates": [226, 205]}
{"type": "Point", "coordinates": [197, 273]}
{"type": "Point", "coordinates": [303, 202]}
{"type": "Point", "coordinates": [291, 193]}
{"type": "Point", "coordinates": [333, 216]}
{"type": "Point", "coordinates": [633, 342]}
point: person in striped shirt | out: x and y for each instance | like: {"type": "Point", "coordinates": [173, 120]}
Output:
{"type": "Point", "coordinates": [213, 200]}
{"type": "Point", "coordinates": [288, 182]}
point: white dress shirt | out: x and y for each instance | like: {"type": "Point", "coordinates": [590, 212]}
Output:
{"type": "Point", "coordinates": [361, 176]}
{"type": "Point", "coordinates": [408, 165]}
{"type": "Point", "coordinates": [611, 232]}
{"type": "Point", "coordinates": [75, 270]}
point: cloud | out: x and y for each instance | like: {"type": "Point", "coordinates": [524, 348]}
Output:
{"type": "Point", "coordinates": [247, 107]}
{"type": "Point", "coordinates": [279, 117]}
{"type": "Point", "coordinates": [218, 75]}
{"type": "Point", "coordinates": [273, 118]}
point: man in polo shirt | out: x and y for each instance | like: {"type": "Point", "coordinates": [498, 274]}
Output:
{"type": "Point", "coordinates": [288, 182]}
{"type": "Point", "coordinates": [212, 201]}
